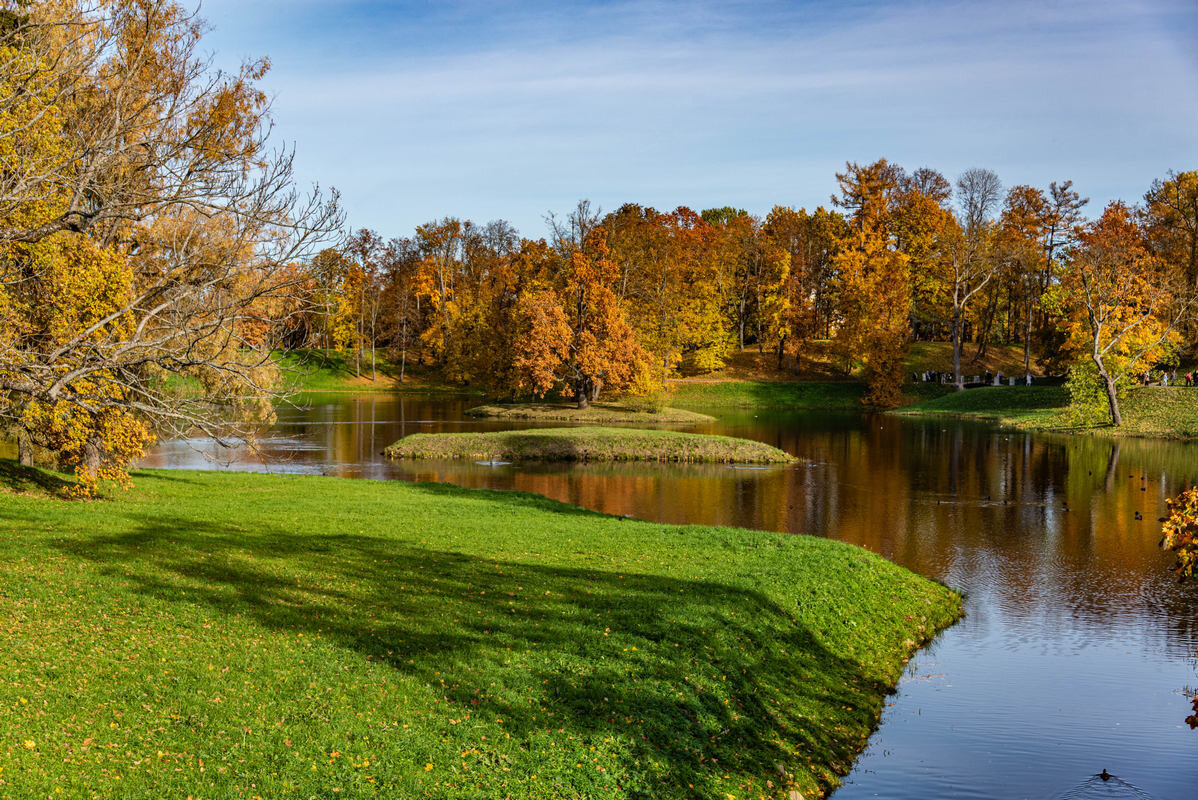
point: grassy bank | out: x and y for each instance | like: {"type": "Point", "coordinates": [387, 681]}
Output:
{"type": "Point", "coordinates": [1029, 407]}
{"type": "Point", "coordinates": [220, 635]}
{"type": "Point", "coordinates": [816, 360]}
{"type": "Point", "coordinates": [1148, 410]}
{"type": "Point", "coordinates": [833, 396]}
{"type": "Point", "coordinates": [336, 371]}
{"type": "Point", "coordinates": [596, 413]}
{"type": "Point", "coordinates": [816, 395]}
{"type": "Point", "coordinates": [587, 444]}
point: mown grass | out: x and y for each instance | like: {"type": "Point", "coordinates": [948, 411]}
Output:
{"type": "Point", "coordinates": [845, 395]}
{"type": "Point", "coordinates": [1151, 411]}
{"type": "Point", "coordinates": [588, 444]}
{"type": "Point", "coordinates": [335, 371]}
{"type": "Point", "coordinates": [1164, 412]}
{"type": "Point", "coordinates": [598, 413]}
{"type": "Point", "coordinates": [1016, 406]}
{"type": "Point", "coordinates": [824, 396]}
{"type": "Point", "coordinates": [230, 635]}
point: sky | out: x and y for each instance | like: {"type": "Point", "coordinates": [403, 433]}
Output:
{"type": "Point", "coordinates": [505, 110]}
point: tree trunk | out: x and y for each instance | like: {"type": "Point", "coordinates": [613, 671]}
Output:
{"type": "Point", "coordinates": [741, 314]}
{"type": "Point", "coordinates": [580, 392]}
{"type": "Point", "coordinates": [1112, 396]}
{"type": "Point", "coordinates": [403, 354]}
{"type": "Point", "coordinates": [93, 451]}
{"type": "Point", "coordinates": [957, 351]}
{"type": "Point", "coordinates": [24, 449]}
{"type": "Point", "coordinates": [1027, 338]}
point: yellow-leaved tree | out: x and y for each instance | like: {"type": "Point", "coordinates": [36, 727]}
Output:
{"type": "Point", "coordinates": [149, 237]}
{"type": "Point", "coordinates": [873, 282]}
{"type": "Point", "coordinates": [1122, 303]}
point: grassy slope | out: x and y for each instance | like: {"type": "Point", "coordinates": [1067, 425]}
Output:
{"type": "Point", "coordinates": [1017, 406]}
{"type": "Point", "coordinates": [587, 444]}
{"type": "Point", "coordinates": [767, 394]}
{"type": "Point", "coordinates": [1148, 411]}
{"type": "Point", "coordinates": [226, 635]}
{"type": "Point", "coordinates": [316, 371]}
{"type": "Point", "coordinates": [817, 361]}
{"type": "Point", "coordinates": [594, 413]}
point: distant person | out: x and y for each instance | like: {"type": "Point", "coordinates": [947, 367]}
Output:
{"type": "Point", "coordinates": [998, 379]}
{"type": "Point", "coordinates": [1027, 379]}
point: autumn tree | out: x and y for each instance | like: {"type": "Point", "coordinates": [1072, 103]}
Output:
{"type": "Point", "coordinates": [971, 264]}
{"type": "Point", "coordinates": [1125, 302]}
{"type": "Point", "coordinates": [440, 244]}
{"type": "Point", "coordinates": [921, 221]}
{"type": "Point", "coordinates": [809, 242]}
{"type": "Point", "coordinates": [602, 347]}
{"type": "Point", "coordinates": [1021, 228]}
{"type": "Point", "coordinates": [873, 281]}
{"type": "Point", "coordinates": [1171, 220]}
{"type": "Point", "coordinates": [365, 251]}
{"type": "Point", "coordinates": [399, 300]}
{"type": "Point", "coordinates": [668, 285]}
{"type": "Point", "coordinates": [141, 198]}
{"type": "Point", "coordinates": [1063, 222]}
{"type": "Point", "coordinates": [328, 299]}
{"type": "Point", "coordinates": [1171, 229]}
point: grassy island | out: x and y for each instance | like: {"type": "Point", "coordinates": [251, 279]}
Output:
{"type": "Point", "coordinates": [223, 634]}
{"type": "Point", "coordinates": [597, 413]}
{"type": "Point", "coordinates": [587, 444]}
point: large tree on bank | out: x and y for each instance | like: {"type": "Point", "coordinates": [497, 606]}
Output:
{"type": "Point", "coordinates": [148, 232]}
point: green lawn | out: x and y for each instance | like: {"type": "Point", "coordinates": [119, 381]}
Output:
{"type": "Point", "coordinates": [336, 371]}
{"type": "Point", "coordinates": [588, 444]}
{"type": "Point", "coordinates": [768, 394]}
{"type": "Point", "coordinates": [226, 635]}
{"type": "Point", "coordinates": [1017, 406]}
{"type": "Point", "coordinates": [1148, 410]}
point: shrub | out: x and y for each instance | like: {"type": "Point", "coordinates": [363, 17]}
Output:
{"type": "Point", "coordinates": [1180, 531]}
{"type": "Point", "coordinates": [650, 402]}
{"type": "Point", "coordinates": [1088, 405]}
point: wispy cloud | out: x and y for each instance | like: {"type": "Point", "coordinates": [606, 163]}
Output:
{"type": "Point", "coordinates": [485, 110]}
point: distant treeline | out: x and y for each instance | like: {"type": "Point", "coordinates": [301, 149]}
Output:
{"type": "Point", "coordinates": [625, 299]}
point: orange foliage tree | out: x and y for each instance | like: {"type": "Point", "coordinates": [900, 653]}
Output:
{"type": "Point", "coordinates": [873, 282]}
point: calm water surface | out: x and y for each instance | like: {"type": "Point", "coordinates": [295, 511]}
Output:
{"type": "Point", "coordinates": [1077, 647]}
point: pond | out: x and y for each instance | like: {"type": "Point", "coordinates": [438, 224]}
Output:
{"type": "Point", "coordinates": [1077, 647]}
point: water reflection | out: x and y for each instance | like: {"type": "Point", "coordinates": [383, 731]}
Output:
{"type": "Point", "coordinates": [1077, 644]}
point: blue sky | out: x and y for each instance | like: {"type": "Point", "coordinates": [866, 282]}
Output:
{"type": "Point", "coordinates": [486, 110]}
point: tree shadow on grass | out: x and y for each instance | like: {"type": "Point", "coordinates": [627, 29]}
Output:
{"type": "Point", "coordinates": [30, 480]}
{"type": "Point", "coordinates": [507, 497]}
{"type": "Point", "coordinates": [700, 680]}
